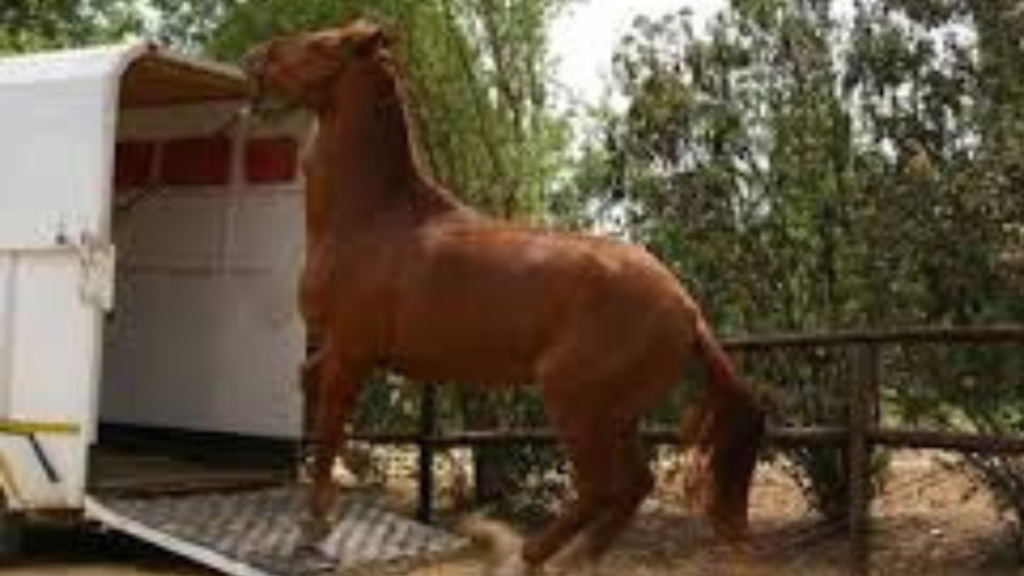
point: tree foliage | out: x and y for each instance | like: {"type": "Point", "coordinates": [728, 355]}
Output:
{"type": "Point", "coordinates": [27, 25]}
{"type": "Point", "coordinates": [837, 158]}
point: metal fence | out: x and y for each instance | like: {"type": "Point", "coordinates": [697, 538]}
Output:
{"type": "Point", "coordinates": [857, 426]}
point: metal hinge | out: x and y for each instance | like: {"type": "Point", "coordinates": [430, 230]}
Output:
{"type": "Point", "coordinates": [97, 258]}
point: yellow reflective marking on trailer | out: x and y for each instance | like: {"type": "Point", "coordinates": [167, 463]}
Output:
{"type": "Point", "coordinates": [26, 427]}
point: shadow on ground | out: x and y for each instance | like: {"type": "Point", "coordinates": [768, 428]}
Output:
{"type": "Point", "coordinates": [67, 549]}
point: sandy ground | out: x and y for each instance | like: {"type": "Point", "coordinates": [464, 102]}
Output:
{"type": "Point", "coordinates": [929, 522]}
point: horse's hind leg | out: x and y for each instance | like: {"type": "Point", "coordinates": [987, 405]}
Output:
{"type": "Point", "coordinates": [587, 442]}
{"type": "Point", "coordinates": [633, 482]}
{"type": "Point", "coordinates": [577, 514]}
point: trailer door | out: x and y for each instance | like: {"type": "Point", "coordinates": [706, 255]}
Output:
{"type": "Point", "coordinates": [56, 151]}
{"type": "Point", "coordinates": [49, 318]}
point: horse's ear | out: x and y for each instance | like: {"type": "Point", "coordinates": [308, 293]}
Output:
{"type": "Point", "coordinates": [360, 38]}
{"type": "Point", "coordinates": [378, 38]}
{"type": "Point", "coordinates": [328, 45]}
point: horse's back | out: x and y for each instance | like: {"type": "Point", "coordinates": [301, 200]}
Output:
{"type": "Point", "coordinates": [494, 302]}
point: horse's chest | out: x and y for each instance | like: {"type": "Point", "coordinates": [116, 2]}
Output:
{"type": "Point", "coordinates": [357, 289]}
{"type": "Point", "coordinates": [362, 288]}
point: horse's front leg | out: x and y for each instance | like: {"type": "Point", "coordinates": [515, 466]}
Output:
{"type": "Point", "coordinates": [336, 393]}
{"type": "Point", "coordinates": [312, 298]}
{"type": "Point", "coordinates": [309, 381]}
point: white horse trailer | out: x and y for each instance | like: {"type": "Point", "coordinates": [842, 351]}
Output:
{"type": "Point", "coordinates": [150, 239]}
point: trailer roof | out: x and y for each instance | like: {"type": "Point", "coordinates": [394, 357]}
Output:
{"type": "Point", "coordinates": [150, 75]}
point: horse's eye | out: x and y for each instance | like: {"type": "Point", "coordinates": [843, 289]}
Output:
{"type": "Point", "coordinates": [347, 51]}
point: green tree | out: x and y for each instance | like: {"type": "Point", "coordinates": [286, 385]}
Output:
{"type": "Point", "coordinates": [27, 25]}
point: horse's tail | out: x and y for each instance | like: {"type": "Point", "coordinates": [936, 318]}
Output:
{"type": "Point", "coordinates": [724, 428]}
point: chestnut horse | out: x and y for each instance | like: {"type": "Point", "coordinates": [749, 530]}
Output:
{"type": "Point", "coordinates": [401, 274]}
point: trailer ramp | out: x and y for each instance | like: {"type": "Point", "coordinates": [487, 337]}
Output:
{"type": "Point", "coordinates": [255, 532]}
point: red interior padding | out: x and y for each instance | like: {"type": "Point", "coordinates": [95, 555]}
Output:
{"type": "Point", "coordinates": [196, 162]}
{"type": "Point", "coordinates": [271, 160]}
{"type": "Point", "coordinates": [133, 164]}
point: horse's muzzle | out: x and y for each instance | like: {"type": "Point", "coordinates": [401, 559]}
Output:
{"type": "Point", "coordinates": [254, 65]}
{"type": "Point", "coordinates": [262, 103]}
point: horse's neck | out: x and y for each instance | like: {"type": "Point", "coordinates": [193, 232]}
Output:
{"type": "Point", "coordinates": [365, 164]}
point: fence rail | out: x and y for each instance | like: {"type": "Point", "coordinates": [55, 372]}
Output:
{"type": "Point", "coordinates": [811, 436]}
{"type": "Point", "coordinates": [858, 437]}
{"type": "Point", "coordinates": [998, 333]}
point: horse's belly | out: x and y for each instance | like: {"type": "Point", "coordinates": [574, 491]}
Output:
{"type": "Point", "coordinates": [477, 362]}
{"type": "Point", "coordinates": [478, 349]}
{"type": "Point", "coordinates": [442, 370]}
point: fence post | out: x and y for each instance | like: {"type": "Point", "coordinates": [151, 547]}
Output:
{"type": "Point", "coordinates": [862, 384]}
{"type": "Point", "coordinates": [425, 443]}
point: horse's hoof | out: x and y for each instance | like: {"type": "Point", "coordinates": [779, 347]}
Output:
{"type": "Point", "coordinates": [305, 560]}
{"type": "Point", "coordinates": [514, 565]}
{"type": "Point", "coordinates": [590, 568]}
{"type": "Point", "coordinates": [312, 533]}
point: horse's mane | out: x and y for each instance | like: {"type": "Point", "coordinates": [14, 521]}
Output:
{"type": "Point", "coordinates": [405, 124]}
{"type": "Point", "coordinates": [398, 109]}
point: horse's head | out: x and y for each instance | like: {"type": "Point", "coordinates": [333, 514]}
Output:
{"type": "Point", "coordinates": [299, 70]}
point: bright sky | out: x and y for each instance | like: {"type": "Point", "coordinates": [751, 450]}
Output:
{"type": "Point", "coordinates": [586, 34]}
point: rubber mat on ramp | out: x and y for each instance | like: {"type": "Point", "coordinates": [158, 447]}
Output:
{"type": "Point", "coordinates": [255, 533]}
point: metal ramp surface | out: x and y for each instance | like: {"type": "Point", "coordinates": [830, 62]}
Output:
{"type": "Point", "coordinates": [254, 533]}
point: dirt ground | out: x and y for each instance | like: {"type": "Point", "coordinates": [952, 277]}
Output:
{"type": "Point", "coordinates": [929, 522]}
